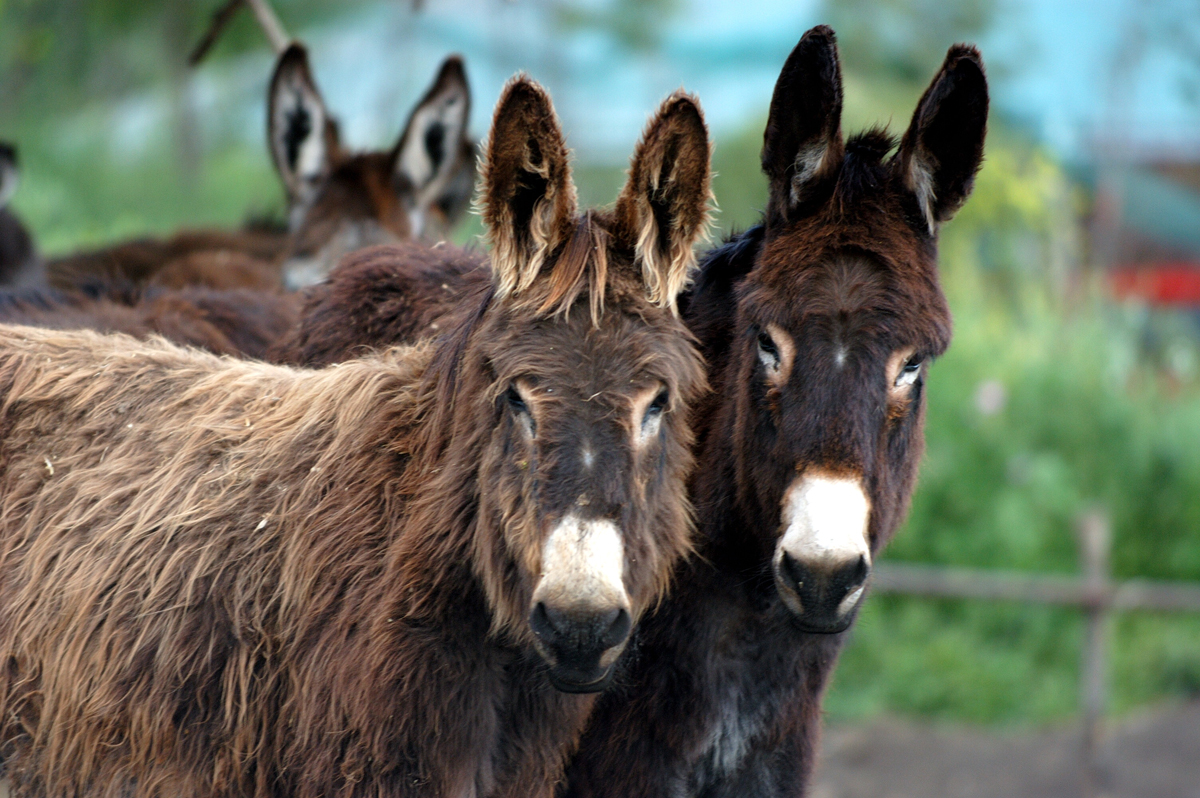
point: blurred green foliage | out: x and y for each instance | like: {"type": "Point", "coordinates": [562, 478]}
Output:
{"type": "Point", "coordinates": [57, 54]}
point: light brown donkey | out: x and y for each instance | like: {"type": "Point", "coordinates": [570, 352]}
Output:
{"type": "Point", "coordinates": [386, 578]}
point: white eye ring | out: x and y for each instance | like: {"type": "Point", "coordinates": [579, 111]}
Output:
{"type": "Point", "coordinates": [908, 375]}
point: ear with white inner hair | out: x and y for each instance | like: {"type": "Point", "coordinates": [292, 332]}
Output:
{"type": "Point", "coordinates": [527, 196]}
{"type": "Point", "coordinates": [10, 175]}
{"type": "Point", "coordinates": [299, 132]}
{"type": "Point", "coordinates": [663, 211]}
{"type": "Point", "coordinates": [942, 149]}
{"type": "Point", "coordinates": [430, 154]}
{"type": "Point", "coordinates": [802, 144]}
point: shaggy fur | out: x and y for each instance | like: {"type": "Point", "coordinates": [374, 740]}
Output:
{"type": "Point", "coordinates": [237, 322]}
{"type": "Point", "coordinates": [338, 201]}
{"type": "Point", "coordinates": [228, 578]}
{"type": "Point", "coordinates": [382, 296]}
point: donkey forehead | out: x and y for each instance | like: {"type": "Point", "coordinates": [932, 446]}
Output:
{"type": "Point", "coordinates": [849, 294]}
{"type": "Point", "coordinates": [623, 354]}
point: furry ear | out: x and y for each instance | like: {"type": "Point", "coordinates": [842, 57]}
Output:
{"type": "Point", "coordinates": [9, 173]}
{"type": "Point", "coordinates": [528, 198]}
{"type": "Point", "coordinates": [803, 141]}
{"type": "Point", "coordinates": [663, 211]}
{"type": "Point", "coordinates": [430, 152]}
{"type": "Point", "coordinates": [301, 139]}
{"type": "Point", "coordinates": [943, 147]}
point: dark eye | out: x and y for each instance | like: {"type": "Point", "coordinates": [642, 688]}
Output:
{"type": "Point", "coordinates": [908, 374]}
{"type": "Point", "coordinates": [513, 397]}
{"type": "Point", "coordinates": [656, 407]}
{"type": "Point", "coordinates": [768, 353]}
{"type": "Point", "coordinates": [652, 419]}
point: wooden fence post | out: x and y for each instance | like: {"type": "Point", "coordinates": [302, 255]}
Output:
{"type": "Point", "coordinates": [1095, 541]}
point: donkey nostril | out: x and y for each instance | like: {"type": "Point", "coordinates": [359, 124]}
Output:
{"type": "Point", "coordinates": [794, 571]}
{"type": "Point", "coordinates": [541, 621]}
{"type": "Point", "coordinates": [619, 624]}
{"type": "Point", "coordinates": [859, 573]}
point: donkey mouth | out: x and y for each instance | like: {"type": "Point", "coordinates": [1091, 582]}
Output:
{"type": "Point", "coordinates": [808, 626]}
{"type": "Point", "coordinates": [570, 683]}
{"type": "Point", "coordinates": [817, 614]}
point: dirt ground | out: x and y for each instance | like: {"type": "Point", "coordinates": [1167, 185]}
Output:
{"type": "Point", "coordinates": [1151, 755]}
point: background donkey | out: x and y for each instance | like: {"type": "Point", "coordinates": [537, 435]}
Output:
{"type": "Point", "coordinates": [20, 265]}
{"type": "Point", "coordinates": [338, 201]}
{"type": "Point", "coordinates": [229, 578]}
{"type": "Point", "coordinates": [241, 321]}
{"type": "Point", "coordinates": [818, 325]}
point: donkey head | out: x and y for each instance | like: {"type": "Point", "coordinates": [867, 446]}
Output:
{"type": "Point", "coordinates": [341, 201]}
{"type": "Point", "coordinates": [588, 374]}
{"type": "Point", "coordinates": [840, 318]}
{"type": "Point", "coordinates": [9, 174]}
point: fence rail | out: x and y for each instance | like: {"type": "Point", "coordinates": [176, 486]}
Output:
{"type": "Point", "coordinates": [1094, 592]}
{"type": "Point", "coordinates": [968, 583]}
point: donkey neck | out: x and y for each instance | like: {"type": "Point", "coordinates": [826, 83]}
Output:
{"type": "Point", "coordinates": [711, 314]}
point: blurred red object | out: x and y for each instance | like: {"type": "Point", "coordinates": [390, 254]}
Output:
{"type": "Point", "coordinates": [1175, 284]}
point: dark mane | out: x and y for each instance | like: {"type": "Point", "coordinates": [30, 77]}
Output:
{"type": "Point", "coordinates": [443, 378]}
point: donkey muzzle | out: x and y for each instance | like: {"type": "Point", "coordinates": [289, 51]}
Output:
{"type": "Point", "coordinates": [823, 599]}
{"type": "Point", "coordinates": [581, 612]}
{"type": "Point", "coordinates": [823, 558]}
{"type": "Point", "coordinates": [580, 647]}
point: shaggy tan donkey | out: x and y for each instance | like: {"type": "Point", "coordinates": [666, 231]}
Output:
{"type": "Point", "coordinates": [386, 578]}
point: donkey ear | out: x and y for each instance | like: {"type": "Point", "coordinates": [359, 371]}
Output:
{"type": "Point", "coordinates": [528, 199]}
{"type": "Point", "coordinates": [298, 132]}
{"type": "Point", "coordinates": [943, 147]}
{"type": "Point", "coordinates": [9, 173]}
{"type": "Point", "coordinates": [663, 209]}
{"type": "Point", "coordinates": [803, 140]}
{"type": "Point", "coordinates": [430, 152]}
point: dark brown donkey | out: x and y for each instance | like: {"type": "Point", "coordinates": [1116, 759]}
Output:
{"type": "Point", "coordinates": [20, 266]}
{"type": "Point", "coordinates": [338, 201]}
{"type": "Point", "coordinates": [818, 325]}
{"type": "Point", "coordinates": [225, 578]}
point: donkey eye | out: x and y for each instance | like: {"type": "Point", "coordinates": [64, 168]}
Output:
{"type": "Point", "coordinates": [768, 353]}
{"type": "Point", "coordinates": [656, 407]}
{"type": "Point", "coordinates": [652, 418]}
{"type": "Point", "coordinates": [513, 397]}
{"type": "Point", "coordinates": [908, 375]}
